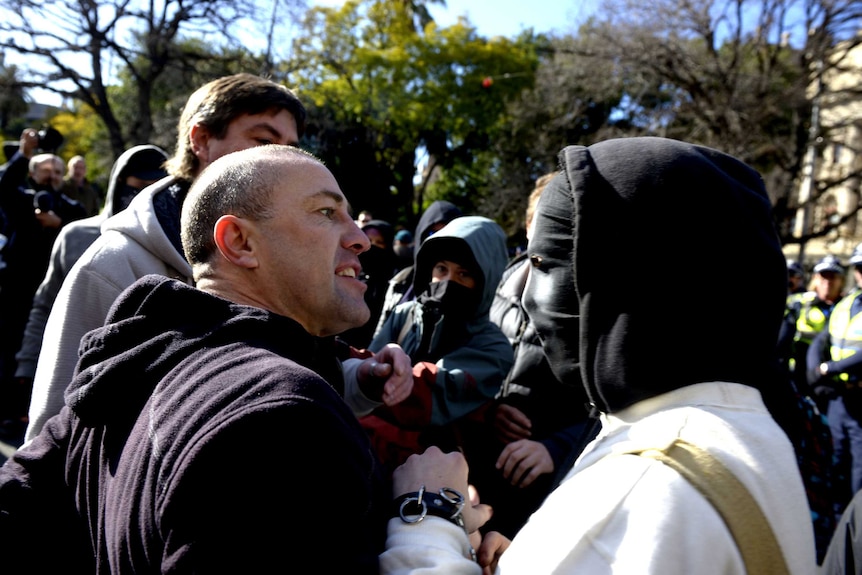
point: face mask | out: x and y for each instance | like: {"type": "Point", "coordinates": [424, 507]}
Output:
{"type": "Point", "coordinates": [123, 197]}
{"type": "Point", "coordinates": [451, 298]}
{"type": "Point", "coordinates": [452, 304]}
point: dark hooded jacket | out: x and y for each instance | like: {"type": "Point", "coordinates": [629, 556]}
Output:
{"type": "Point", "coordinates": [200, 436]}
{"type": "Point", "coordinates": [606, 320]}
{"type": "Point", "coordinates": [459, 357]}
{"type": "Point", "coordinates": [400, 287]}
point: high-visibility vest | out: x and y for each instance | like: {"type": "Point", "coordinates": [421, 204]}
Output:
{"type": "Point", "coordinates": [812, 318]}
{"type": "Point", "coordinates": [845, 332]}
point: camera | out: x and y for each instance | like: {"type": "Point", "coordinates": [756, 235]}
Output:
{"type": "Point", "coordinates": [49, 140]}
{"type": "Point", "coordinates": [42, 200]}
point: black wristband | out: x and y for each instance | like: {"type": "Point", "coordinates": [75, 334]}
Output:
{"type": "Point", "coordinates": [447, 503]}
{"type": "Point", "coordinates": [413, 507]}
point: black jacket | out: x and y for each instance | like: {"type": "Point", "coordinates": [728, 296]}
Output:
{"type": "Point", "coordinates": [197, 437]}
{"type": "Point", "coordinates": [531, 386]}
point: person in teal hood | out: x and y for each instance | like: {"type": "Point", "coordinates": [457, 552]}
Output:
{"type": "Point", "coordinates": [460, 358]}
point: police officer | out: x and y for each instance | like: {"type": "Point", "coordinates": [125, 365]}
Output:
{"type": "Point", "coordinates": [835, 373]}
{"type": "Point", "coordinates": [795, 277]}
{"type": "Point", "coordinates": [807, 314]}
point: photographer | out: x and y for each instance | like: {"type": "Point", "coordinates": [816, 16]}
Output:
{"type": "Point", "coordinates": [35, 210]}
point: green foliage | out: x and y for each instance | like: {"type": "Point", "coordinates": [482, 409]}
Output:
{"type": "Point", "coordinates": [379, 88]}
{"type": "Point", "coordinates": [191, 64]}
{"type": "Point", "coordinates": [85, 135]}
{"type": "Point", "coordinates": [405, 112]}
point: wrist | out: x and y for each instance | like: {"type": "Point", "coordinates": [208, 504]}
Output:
{"type": "Point", "coordinates": [447, 503]}
{"type": "Point", "coordinates": [372, 386]}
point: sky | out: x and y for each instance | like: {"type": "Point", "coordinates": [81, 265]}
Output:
{"type": "Point", "coordinates": [490, 17]}
{"type": "Point", "coordinates": [509, 17]}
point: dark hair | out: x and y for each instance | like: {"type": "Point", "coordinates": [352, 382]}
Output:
{"type": "Point", "coordinates": [218, 103]}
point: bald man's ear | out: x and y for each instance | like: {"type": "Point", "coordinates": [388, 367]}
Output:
{"type": "Point", "coordinates": [231, 235]}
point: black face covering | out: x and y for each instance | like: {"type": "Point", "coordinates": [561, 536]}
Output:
{"type": "Point", "coordinates": [451, 298]}
{"type": "Point", "coordinates": [123, 197]}
{"type": "Point", "coordinates": [378, 267]}
{"type": "Point", "coordinates": [452, 303]}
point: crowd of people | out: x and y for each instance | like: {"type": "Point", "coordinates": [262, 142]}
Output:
{"type": "Point", "coordinates": [392, 400]}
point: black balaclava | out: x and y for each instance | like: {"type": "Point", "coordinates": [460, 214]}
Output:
{"type": "Point", "coordinates": [385, 229]}
{"type": "Point", "coordinates": [448, 300]}
{"type": "Point", "coordinates": [145, 162]}
{"type": "Point", "coordinates": [655, 265]}
{"type": "Point", "coordinates": [439, 212]}
{"type": "Point", "coordinates": [452, 303]}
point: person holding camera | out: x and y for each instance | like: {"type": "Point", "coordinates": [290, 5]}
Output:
{"type": "Point", "coordinates": [35, 210]}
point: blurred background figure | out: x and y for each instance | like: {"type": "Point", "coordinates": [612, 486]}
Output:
{"type": "Point", "coordinates": [403, 248]}
{"type": "Point", "coordinates": [363, 218]}
{"type": "Point", "coordinates": [807, 314]}
{"type": "Point", "coordinates": [795, 277]}
{"type": "Point", "coordinates": [835, 375]}
{"type": "Point", "coordinates": [380, 233]}
{"type": "Point", "coordinates": [79, 188]}
{"type": "Point", "coordinates": [537, 426]}
{"type": "Point", "coordinates": [35, 210]}
{"type": "Point", "coordinates": [134, 170]}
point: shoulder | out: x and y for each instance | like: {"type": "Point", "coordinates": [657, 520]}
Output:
{"type": "Point", "coordinates": [642, 503]}
{"type": "Point", "coordinates": [402, 277]}
{"type": "Point", "coordinates": [79, 233]}
{"type": "Point", "coordinates": [113, 258]}
{"type": "Point", "coordinates": [797, 298]}
{"type": "Point", "coordinates": [251, 394]}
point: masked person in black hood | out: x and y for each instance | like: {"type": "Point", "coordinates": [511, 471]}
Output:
{"type": "Point", "coordinates": [679, 384]}
{"type": "Point", "coordinates": [400, 288]}
{"type": "Point", "coordinates": [459, 357]}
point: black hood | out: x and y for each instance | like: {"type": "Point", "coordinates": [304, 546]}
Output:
{"type": "Point", "coordinates": [158, 322]}
{"type": "Point", "coordinates": [136, 161]}
{"type": "Point", "coordinates": [385, 229]}
{"type": "Point", "coordinates": [656, 265]}
{"type": "Point", "coordinates": [439, 212]}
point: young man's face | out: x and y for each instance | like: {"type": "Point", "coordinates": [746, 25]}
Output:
{"type": "Point", "coordinates": [309, 254]}
{"type": "Point", "coordinates": [446, 270]}
{"type": "Point", "coordinates": [245, 131]}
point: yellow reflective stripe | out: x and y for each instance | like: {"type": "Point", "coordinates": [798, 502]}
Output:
{"type": "Point", "coordinates": [845, 332]}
